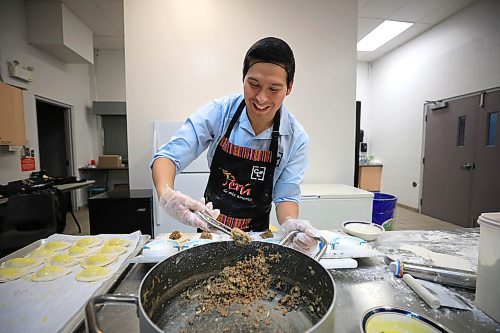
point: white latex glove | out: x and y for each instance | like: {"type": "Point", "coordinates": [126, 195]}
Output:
{"type": "Point", "coordinates": [180, 207]}
{"type": "Point", "coordinates": [210, 209]}
{"type": "Point", "coordinates": [304, 240]}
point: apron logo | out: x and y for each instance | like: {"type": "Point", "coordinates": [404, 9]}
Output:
{"type": "Point", "coordinates": [232, 185]}
{"type": "Point", "coordinates": [258, 173]}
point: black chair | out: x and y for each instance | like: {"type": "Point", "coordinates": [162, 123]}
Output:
{"type": "Point", "coordinates": [28, 218]}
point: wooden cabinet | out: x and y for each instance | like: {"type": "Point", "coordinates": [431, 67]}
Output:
{"type": "Point", "coordinates": [12, 130]}
{"type": "Point", "coordinates": [370, 177]}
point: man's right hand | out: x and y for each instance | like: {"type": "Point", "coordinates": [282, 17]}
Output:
{"type": "Point", "coordinates": [181, 207]}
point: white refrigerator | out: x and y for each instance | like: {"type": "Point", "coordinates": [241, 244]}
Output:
{"type": "Point", "coordinates": [191, 181]}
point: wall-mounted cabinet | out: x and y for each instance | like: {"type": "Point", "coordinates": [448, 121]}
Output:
{"type": "Point", "coordinates": [12, 130]}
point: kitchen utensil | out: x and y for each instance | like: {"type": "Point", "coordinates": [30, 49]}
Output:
{"type": "Point", "coordinates": [438, 274]}
{"type": "Point", "coordinates": [424, 294]}
{"type": "Point", "coordinates": [212, 222]}
{"type": "Point", "coordinates": [445, 296]}
{"type": "Point", "coordinates": [161, 306]}
{"type": "Point", "coordinates": [389, 319]}
{"type": "Point", "coordinates": [364, 230]}
{"type": "Point", "coordinates": [341, 246]}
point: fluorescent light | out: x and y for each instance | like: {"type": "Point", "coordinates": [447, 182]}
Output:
{"type": "Point", "coordinates": [383, 33]}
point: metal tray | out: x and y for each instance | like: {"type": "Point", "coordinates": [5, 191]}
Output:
{"type": "Point", "coordinates": [79, 316]}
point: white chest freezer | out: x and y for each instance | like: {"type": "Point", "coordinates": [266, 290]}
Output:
{"type": "Point", "coordinates": [327, 206]}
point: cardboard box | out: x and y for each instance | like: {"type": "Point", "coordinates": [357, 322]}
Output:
{"type": "Point", "coordinates": [109, 161]}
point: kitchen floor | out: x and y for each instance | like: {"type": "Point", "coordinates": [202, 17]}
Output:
{"type": "Point", "coordinates": [405, 220]}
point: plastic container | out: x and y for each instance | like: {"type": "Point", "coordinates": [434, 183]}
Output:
{"type": "Point", "coordinates": [384, 206]}
{"type": "Point", "coordinates": [364, 230]}
{"type": "Point", "coordinates": [488, 270]}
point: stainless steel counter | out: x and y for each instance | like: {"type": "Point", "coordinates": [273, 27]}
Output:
{"type": "Point", "coordinates": [369, 285]}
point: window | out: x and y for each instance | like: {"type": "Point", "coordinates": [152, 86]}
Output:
{"type": "Point", "coordinates": [115, 135]}
{"type": "Point", "coordinates": [492, 129]}
{"type": "Point", "coordinates": [461, 131]}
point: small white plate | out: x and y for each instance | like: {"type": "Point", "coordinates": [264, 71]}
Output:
{"type": "Point", "coordinates": [364, 230]}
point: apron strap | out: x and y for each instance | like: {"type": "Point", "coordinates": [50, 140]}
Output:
{"type": "Point", "coordinates": [273, 147]}
{"type": "Point", "coordinates": [235, 118]}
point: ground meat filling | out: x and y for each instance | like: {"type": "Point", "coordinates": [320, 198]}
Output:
{"type": "Point", "coordinates": [240, 237]}
{"type": "Point", "coordinates": [247, 289]}
{"type": "Point", "coordinates": [267, 234]}
{"type": "Point", "coordinates": [175, 235]}
{"type": "Point", "coordinates": [205, 235]}
{"type": "Point", "coordinates": [244, 283]}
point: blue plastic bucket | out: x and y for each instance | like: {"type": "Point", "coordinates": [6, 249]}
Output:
{"type": "Point", "coordinates": [384, 206]}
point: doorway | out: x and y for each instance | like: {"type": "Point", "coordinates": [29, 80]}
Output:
{"type": "Point", "coordinates": [461, 158]}
{"type": "Point", "coordinates": [55, 140]}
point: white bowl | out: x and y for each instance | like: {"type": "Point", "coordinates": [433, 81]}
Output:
{"type": "Point", "coordinates": [364, 230]}
{"type": "Point", "coordinates": [388, 319]}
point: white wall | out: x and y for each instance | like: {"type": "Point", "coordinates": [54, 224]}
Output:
{"type": "Point", "coordinates": [109, 80]}
{"type": "Point", "coordinates": [363, 89]}
{"type": "Point", "coordinates": [458, 56]}
{"type": "Point", "coordinates": [181, 54]}
{"type": "Point", "coordinates": [54, 80]}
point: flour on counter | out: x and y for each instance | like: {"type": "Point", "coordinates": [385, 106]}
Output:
{"type": "Point", "coordinates": [440, 259]}
{"type": "Point", "coordinates": [447, 242]}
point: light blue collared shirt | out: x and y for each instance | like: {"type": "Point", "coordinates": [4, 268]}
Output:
{"type": "Point", "coordinates": [205, 128]}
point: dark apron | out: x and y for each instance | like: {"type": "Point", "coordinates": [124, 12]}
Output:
{"type": "Point", "coordinates": [241, 180]}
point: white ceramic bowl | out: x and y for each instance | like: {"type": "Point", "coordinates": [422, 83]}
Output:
{"type": "Point", "coordinates": [364, 230]}
{"type": "Point", "coordinates": [388, 319]}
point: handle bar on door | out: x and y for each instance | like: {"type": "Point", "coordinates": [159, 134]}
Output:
{"type": "Point", "coordinates": [469, 166]}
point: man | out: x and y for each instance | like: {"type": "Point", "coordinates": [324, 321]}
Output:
{"type": "Point", "coordinates": [257, 152]}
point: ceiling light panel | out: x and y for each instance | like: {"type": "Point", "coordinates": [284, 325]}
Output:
{"type": "Point", "coordinates": [383, 33]}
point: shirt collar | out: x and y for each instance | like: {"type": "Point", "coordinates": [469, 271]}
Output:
{"type": "Point", "coordinates": [285, 126]}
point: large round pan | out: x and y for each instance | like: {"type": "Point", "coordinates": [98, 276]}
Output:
{"type": "Point", "coordinates": [164, 307]}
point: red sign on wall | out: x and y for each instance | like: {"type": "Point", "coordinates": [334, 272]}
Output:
{"type": "Point", "coordinates": [27, 164]}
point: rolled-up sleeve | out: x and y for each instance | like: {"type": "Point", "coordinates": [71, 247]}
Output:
{"type": "Point", "coordinates": [192, 138]}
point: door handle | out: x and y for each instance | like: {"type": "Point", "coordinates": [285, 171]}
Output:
{"type": "Point", "coordinates": [468, 166]}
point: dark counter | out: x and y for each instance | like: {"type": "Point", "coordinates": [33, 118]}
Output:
{"type": "Point", "coordinates": [126, 211]}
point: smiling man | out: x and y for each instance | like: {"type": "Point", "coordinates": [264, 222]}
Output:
{"type": "Point", "coordinates": [257, 152]}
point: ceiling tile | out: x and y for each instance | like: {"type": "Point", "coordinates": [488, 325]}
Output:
{"type": "Point", "coordinates": [105, 19]}
{"type": "Point", "coordinates": [415, 10]}
{"type": "Point", "coordinates": [362, 4]}
{"type": "Point", "coordinates": [365, 25]}
{"type": "Point", "coordinates": [92, 16]}
{"type": "Point", "coordinates": [381, 8]}
{"type": "Point", "coordinates": [113, 10]}
{"type": "Point", "coordinates": [446, 10]}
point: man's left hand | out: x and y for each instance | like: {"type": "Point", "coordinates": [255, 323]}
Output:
{"type": "Point", "coordinates": [304, 240]}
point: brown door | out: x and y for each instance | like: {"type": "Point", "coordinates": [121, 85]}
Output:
{"type": "Point", "coordinates": [486, 176]}
{"type": "Point", "coordinates": [449, 160]}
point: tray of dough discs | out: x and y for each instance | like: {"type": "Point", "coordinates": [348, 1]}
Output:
{"type": "Point", "coordinates": [45, 286]}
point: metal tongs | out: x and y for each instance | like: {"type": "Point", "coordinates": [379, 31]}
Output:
{"type": "Point", "coordinates": [205, 217]}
